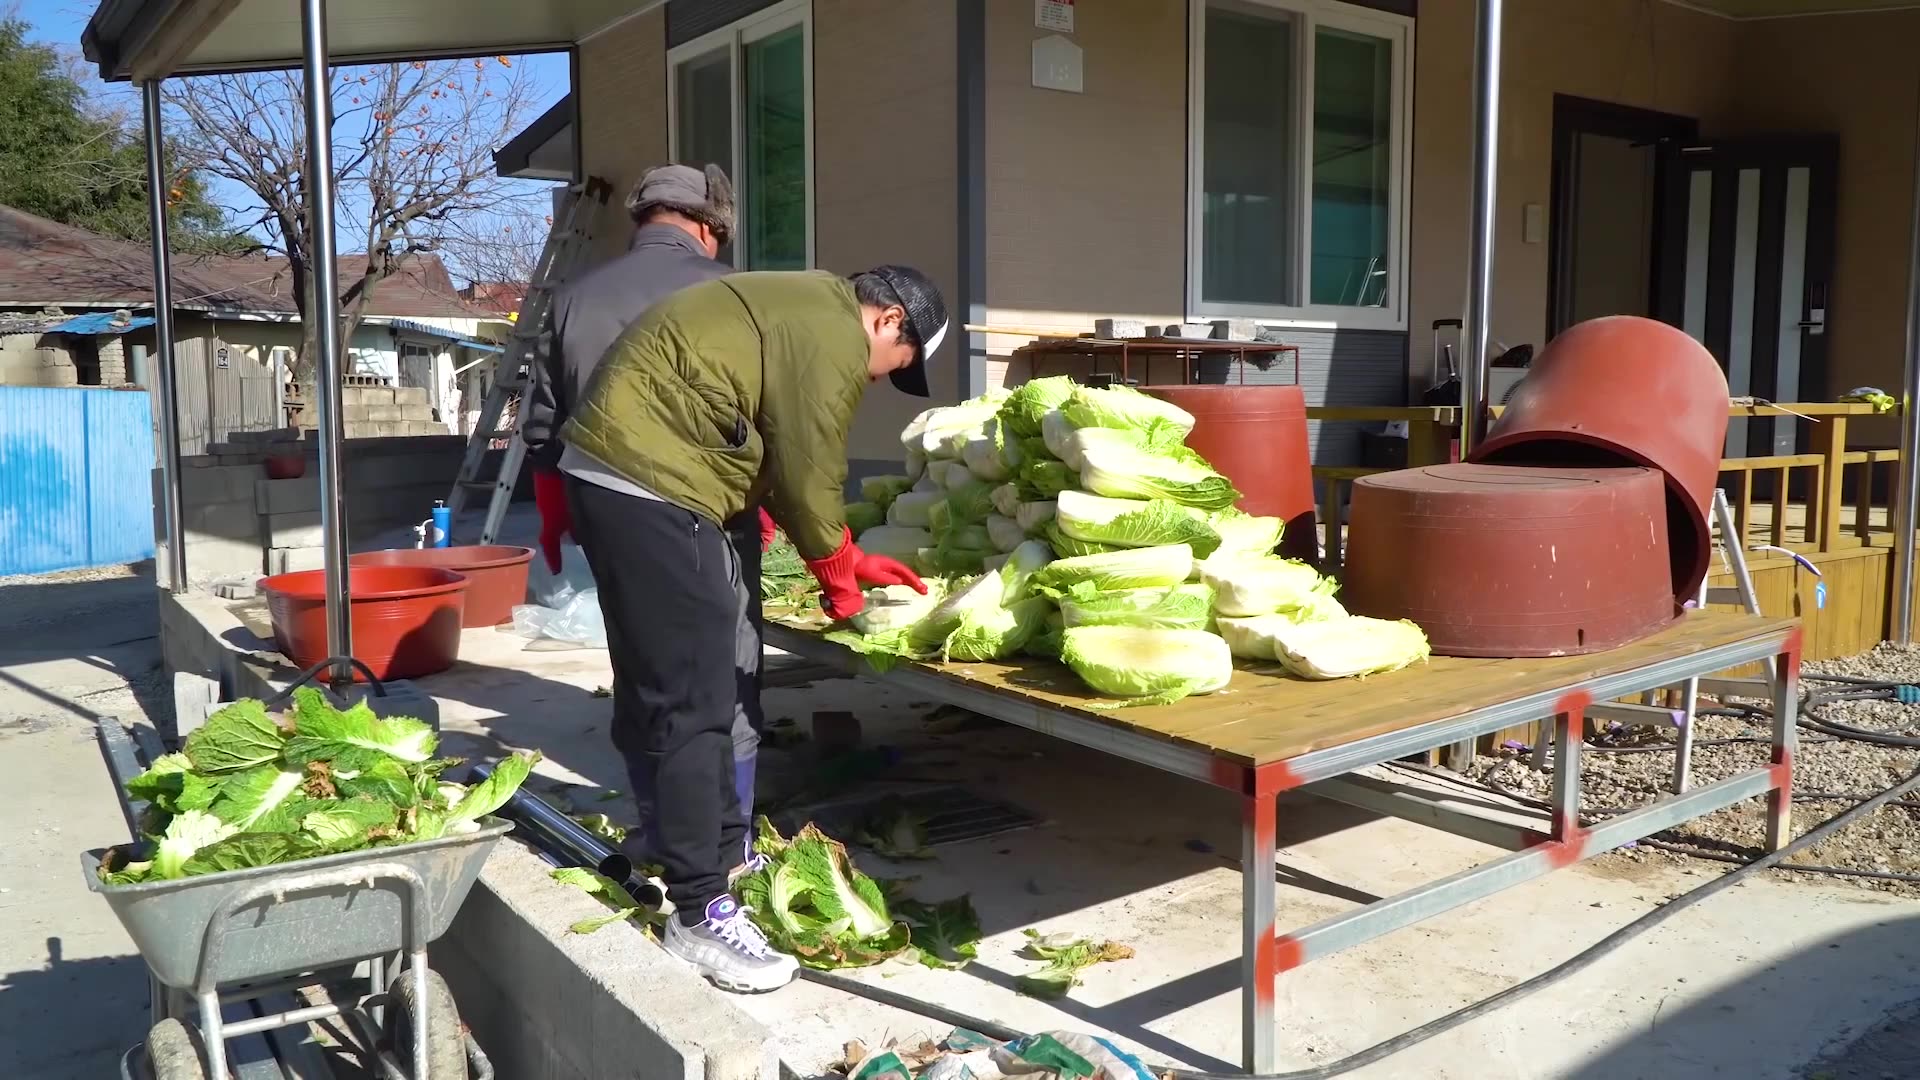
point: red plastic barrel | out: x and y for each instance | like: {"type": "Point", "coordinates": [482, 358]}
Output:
{"type": "Point", "coordinates": [1257, 437]}
{"type": "Point", "coordinates": [1626, 391]}
{"type": "Point", "coordinates": [1509, 561]}
{"type": "Point", "coordinates": [406, 619]}
{"type": "Point", "coordinates": [496, 574]}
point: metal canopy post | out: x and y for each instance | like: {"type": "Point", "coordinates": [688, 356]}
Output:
{"type": "Point", "coordinates": [324, 310]}
{"type": "Point", "coordinates": [1486, 159]}
{"type": "Point", "coordinates": [1906, 503]}
{"type": "Point", "coordinates": [168, 402]}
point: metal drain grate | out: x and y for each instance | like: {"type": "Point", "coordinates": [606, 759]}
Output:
{"type": "Point", "coordinates": [953, 815]}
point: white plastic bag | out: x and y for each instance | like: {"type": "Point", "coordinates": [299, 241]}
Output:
{"type": "Point", "coordinates": [563, 607]}
{"type": "Point", "coordinates": [550, 590]}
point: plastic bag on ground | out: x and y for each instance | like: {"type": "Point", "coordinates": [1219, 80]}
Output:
{"type": "Point", "coordinates": [576, 622]}
{"type": "Point", "coordinates": [550, 590]}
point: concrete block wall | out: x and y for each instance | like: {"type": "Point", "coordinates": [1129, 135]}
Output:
{"type": "Point", "coordinates": [381, 412]}
{"type": "Point", "coordinates": [239, 523]}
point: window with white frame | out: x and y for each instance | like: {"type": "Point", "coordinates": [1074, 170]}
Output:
{"type": "Point", "coordinates": [1300, 138]}
{"type": "Point", "coordinates": [741, 98]}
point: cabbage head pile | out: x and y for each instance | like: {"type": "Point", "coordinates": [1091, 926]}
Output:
{"type": "Point", "coordinates": [1073, 523]}
{"type": "Point", "coordinates": [251, 790]}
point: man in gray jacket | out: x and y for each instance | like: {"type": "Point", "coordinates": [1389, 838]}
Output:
{"type": "Point", "coordinates": [684, 217]}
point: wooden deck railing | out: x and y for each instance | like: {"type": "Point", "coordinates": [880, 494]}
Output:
{"type": "Point", "coordinates": [1804, 503]}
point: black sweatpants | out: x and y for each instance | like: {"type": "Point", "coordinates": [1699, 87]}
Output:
{"type": "Point", "coordinates": [670, 586]}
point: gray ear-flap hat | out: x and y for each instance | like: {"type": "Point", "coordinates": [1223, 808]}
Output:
{"type": "Point", "coordinates": [702, 194]}
{"type": "Point", "coordinates": [926, 318]}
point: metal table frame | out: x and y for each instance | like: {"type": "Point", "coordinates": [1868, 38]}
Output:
{"type": "Point", "coordinates": [1266, 953]}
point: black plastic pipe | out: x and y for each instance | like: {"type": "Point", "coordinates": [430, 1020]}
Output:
{"type": "Point", "coordinates": [547, 827]}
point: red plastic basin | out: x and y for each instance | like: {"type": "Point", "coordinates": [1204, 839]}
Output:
{"type": "Point", "coordinates": [405, 619]}
{"type": "Point", "coordinates": [496, 574]}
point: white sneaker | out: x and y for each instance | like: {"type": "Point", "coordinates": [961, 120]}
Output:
{"type": "Point", "coordinates": [730, 951]}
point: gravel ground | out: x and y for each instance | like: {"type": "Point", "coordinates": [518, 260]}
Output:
{"type": "Point", "coordinates": [1639, 766]}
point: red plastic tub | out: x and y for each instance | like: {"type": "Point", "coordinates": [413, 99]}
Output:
{"type": "Point", "coordinates": [1623, 390]}
{"type": "Point", "coordinates": [406, 619]}
{"type": "Point", "coordinates": [496, 574]}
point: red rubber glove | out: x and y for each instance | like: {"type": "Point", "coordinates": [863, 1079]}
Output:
{"type": "Point", "coordinates": [842, 573]}
{"type": "Point", "coordinates": [556, 521]}
{"type": "Point", "coordinates": [767, 529]}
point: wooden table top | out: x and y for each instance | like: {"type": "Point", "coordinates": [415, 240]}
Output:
{"type": "Point", "coordinates": [1265, 716]}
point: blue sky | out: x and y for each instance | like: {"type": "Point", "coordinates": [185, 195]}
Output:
{"type": "Point", "coordinates": [60, 22]}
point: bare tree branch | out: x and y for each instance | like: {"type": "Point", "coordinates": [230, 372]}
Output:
{"type": "Point", "coordinates": [413, 159]}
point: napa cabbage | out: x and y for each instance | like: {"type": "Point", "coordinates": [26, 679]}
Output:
{"type": "Point", "coordinates": [862, 516]}
{"type": "Point", "coordinates": [1131, 568]}
{"type": "Point", "coordinates": [1005, 532]}
{"type": "Point", "coordinates": [894, 541]}
{"type": "Point", "coordinates": [1022, 411]}
{"type": "Point", "coordinates": [1347, 647]}
{"type": "Point", "coordinates": [1268, 584]}
{"type": "Point", "coordinates": [912, 509]}
{"type": "Point", "coordinates": [1134, 522]}
{"type": "Point", "coordinates": [882, 490]}
{"type": "Point", "coordinates": [1183, 607]}
{"type": "Point", "coordinates": [1124, 408]}
{"type": "Point", "coordinates": [1149, 667]}
{"type": "Point", "coordinates": [1114, 468]}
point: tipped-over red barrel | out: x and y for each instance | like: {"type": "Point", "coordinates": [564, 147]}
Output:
{"type": "Point", "coordinates": [1626, 391]}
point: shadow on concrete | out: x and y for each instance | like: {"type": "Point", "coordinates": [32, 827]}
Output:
{"type": "Point", "coordinates": [1838, 989]}
{"type": "Point", "coordinates": [109, 624]}
{"type": "Point", "coordinates": [43, 1035]}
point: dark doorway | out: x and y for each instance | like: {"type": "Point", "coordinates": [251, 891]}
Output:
{"type": "Point", "coordinates": [1746, 258]}
{"type": "Point", "coordinates": [1606, 228]}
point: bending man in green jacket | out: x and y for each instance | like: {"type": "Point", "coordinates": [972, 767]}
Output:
{"type": "Point", "coordinates": [727, 395]}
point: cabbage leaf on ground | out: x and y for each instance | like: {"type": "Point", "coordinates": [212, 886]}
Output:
{"type": "Point", "coordinates": [813, 904]}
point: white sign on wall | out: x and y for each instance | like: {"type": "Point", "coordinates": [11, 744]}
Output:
{"type": "Point", "coordinates": [1054, 15]}
{"type": "Point", "coordinates": [1057, 64]}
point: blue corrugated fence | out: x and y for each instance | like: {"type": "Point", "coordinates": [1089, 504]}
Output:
{"type": "Point", "coordinates": [76, 483]}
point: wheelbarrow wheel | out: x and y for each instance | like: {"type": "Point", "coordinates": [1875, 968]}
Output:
{"type": "Point", "coordinates": [174, 1050]}
{"type": "Point", "coordinates": [446, 1043]}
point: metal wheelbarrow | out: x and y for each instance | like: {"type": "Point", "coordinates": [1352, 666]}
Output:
{"type": "Point", "coordinates": [245, 934]}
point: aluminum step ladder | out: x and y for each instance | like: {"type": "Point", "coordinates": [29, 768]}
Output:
{"type": "Point", "coordinates": [564, 253]}
{"type": "Point", "coordinates": [1733, 555]}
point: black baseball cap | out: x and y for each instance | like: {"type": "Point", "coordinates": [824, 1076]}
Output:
{"type": "Point", "coordinates": [926, 318]}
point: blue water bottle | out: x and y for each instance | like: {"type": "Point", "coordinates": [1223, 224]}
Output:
{"type": "Point", "coordinates": [442, 524]}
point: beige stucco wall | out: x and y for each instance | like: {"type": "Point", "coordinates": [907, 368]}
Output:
{"type": "Point", "coordinates": [885, 171]}
{"type": "Point", "coordinates": [1648, 55]}
{"type": "Point", "coordinates": [623, 115]}
{"type": "Point", "coordinates": [1086, 193]}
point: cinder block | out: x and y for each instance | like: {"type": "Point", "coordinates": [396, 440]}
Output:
{"type": "Point", "coordinates": [224, 521]}
{"type": "Point", "coordinates": [354, 413]}
{"type": "Point", "coordinates": [387, 429]}
{"type": "Point", "coordinates": [411, 395]}
{"type": "Point", "coordinates": [287, 496]}
{"type": "Point", "coordinates": [366, 395]}
{"type": "Point", "coordinates": [211, 558]}
{"type": "Point", "coordinates": [386, 414]}
{"type": "Point", "coordinates": [1117, 329]}
{"type": "Point", "coordinates": [292, 560]}
{"type": "Point", "coordinates": [215, 483]}
{"type": "Point", "coordinates": [296, 530]}
{"type": "Point", "coordinates": [1236, 329]}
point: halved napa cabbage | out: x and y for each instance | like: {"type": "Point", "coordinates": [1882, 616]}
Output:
{"type": "Point", "coordinates": [882, 490]}
{"type": "Point", "coordinates": [1033, 516]}
{"type": "Point", "coordinates": [926, 484]}
{"type": "Point", "coordinates": [1030, 401]}
{"type": "Point", "coordinates": [1046, 644]}
{"type": "Point", "coordinates": [1055, 430]}
{"type": "Point", "coordinates": [1252, 637]}
{"type": "Point", "coordinates": [1150, 667]}
{"type": "Point", "coordinates": [1183, 607]}
{"type": "Point", "coordinates": [999, 632]}
{"type": "Point", "coordinates": [916, 465]}
{"type": "Point", "coordinates": [894, 541]}
{"type": "Point", "coordinates": [1125, 408]}
{"type": "Point", "coordinates": [982, 456]}
{"type": "Point", "coordinates": [912, 510]}
{"type": "Point", "coordinates": [1006, 500]}
{"type": "Point", "coordinates": [1244, 534]}
{"type": "Point", "coordinates": [1112, 467]}
{"type": "Point", "coordinates": [1265, 585]}
{"type": "Point", "coordinates": [983, 603]}
{"type": "Point", "coordinates": [896, 607]}
{"type": "Point", "coordinates": [1005, 532]}
{"type": "Point", "coordinates": [1134, 522]}
{"type": "Point", "coordinates": [951, 474]}
{"type": "Point", "coordinates": [1066, 547]}
{"type": "Point", "coordinates": [1046, 478]}
{"type": "Point", "coordinates": [1348, 647]}
{"type": "Point", "coordinates": [862, 516]}
{"type": "Point", "coordinates": [932, 431]}
{"type": "Point", "coordinates": [1132, 568]}
{"type": "Point", "coordinates": [961, 550]}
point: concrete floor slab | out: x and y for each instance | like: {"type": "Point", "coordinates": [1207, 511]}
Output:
{"type": "Point", "coordinates": [1753, 984]}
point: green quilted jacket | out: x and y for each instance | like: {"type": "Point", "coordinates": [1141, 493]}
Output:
{"type": "Point", "coordinates": [733, 391]}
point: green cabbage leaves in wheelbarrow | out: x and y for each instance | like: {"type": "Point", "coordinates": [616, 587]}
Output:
{"type": "Point", "coordinates": [250, 790]}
